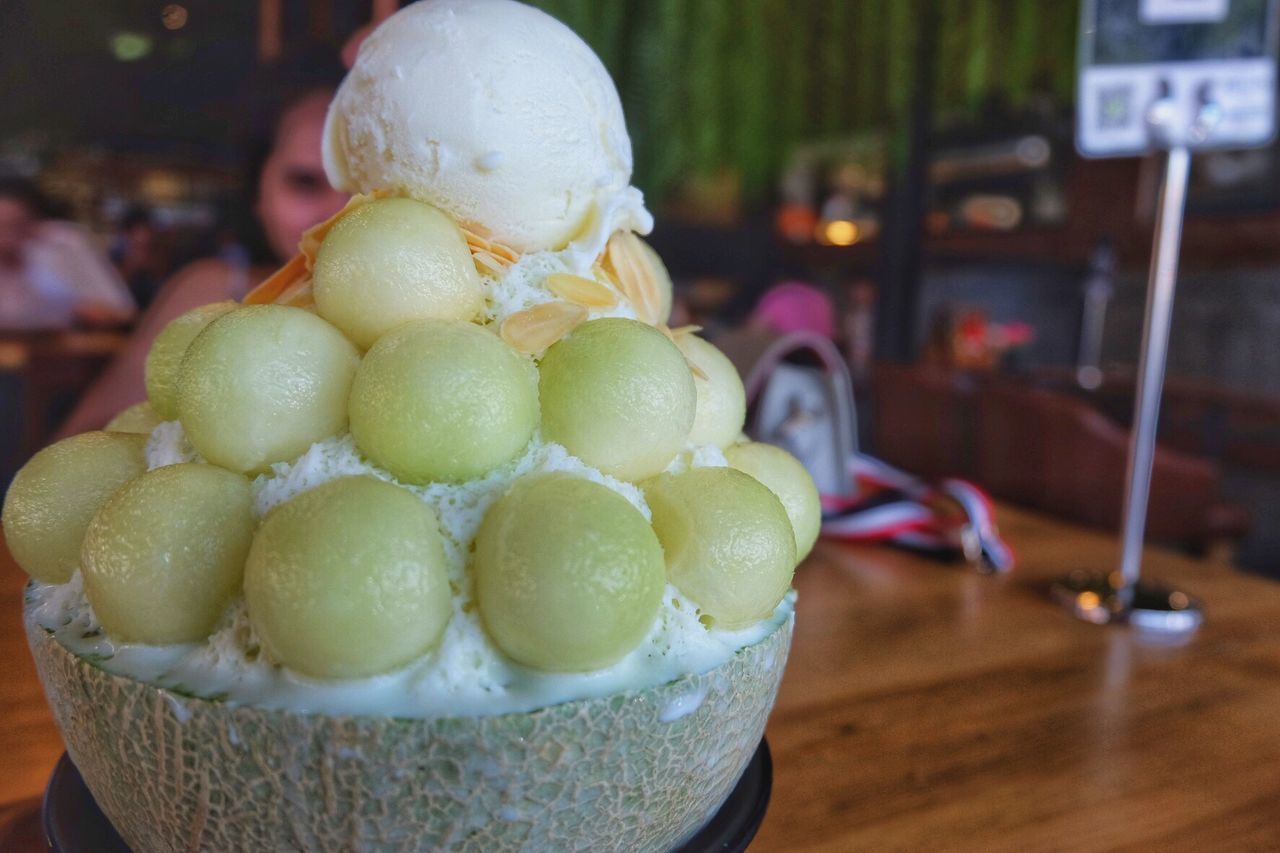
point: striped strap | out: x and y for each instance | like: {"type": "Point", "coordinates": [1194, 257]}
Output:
{"type": "Point", "coordinates": [953, 518]}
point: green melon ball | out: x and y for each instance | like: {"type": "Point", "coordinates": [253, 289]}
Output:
{"type": "Point", "coordinates": [722, 401]}
{"type": "Point", "coordinates": [165, 358]}
{"type": "Point", "coordinates": [139, 419]}
{"type": "Point", "coordinates": [787, 478]}
{"type": "Point", "coordinates": [262, 384]}
{"type": "Point", "coordinates": [728, 543]}
{"type": "Point", "coordinates": [55, 495]}
{"type": "Point", "coordinates": [443, 400]}
{"type": "Point", "coordinates": [166, 553]}
{"type": "Point", "coordinates": [569, 575]}
{"type": "Point", "coordinates": [618, 395]}
{"type": "Point", "coordinates": [391, 261]}
{"type": "Point", "coordinates": [348, 580]}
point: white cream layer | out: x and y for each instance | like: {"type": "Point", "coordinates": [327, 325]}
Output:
{"type": "Point", "coordinates": [464, 676]}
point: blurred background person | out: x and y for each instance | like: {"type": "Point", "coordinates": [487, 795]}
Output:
{"type": "Point", "coordinates": [52, 276]}
{"type": "Point", "coordinates": [288, 193]}
{"type": "Point", "coordinates": [139, 253]}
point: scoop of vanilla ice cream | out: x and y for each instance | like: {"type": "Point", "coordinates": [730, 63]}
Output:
{"type": "Point", "coordinates": [493, 111]}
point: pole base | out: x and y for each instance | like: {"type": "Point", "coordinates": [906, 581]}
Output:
{"type": "Point", "coordinates": [1150, 608]}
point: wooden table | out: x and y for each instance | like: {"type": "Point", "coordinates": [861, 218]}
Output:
{"type": "Point", "coordinates": [927, 707]}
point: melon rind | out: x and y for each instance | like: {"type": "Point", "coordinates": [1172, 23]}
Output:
{"type": "Point", "coordinates": [179, 773]}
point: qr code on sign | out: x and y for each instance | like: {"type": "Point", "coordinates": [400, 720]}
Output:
{"type": "Point", "coordinates": [1115, 106]}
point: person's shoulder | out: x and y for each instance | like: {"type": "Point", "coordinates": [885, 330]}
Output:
{"type": "Point", "coordinates": [62, 239]}
{"type": "Point", "coordinates": [198, 283]}
{"type": "Point", "coordinates": [63, 231]}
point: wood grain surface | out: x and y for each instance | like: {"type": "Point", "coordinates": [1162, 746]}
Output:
{"type": "Point", "coordinates": [927, 707]}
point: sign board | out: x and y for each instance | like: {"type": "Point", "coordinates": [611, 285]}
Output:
{"type": "Point", "coordinates": [1190, 53]}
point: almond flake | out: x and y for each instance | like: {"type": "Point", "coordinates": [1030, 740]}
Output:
{"type": "Point", "coordinates": [627, 258]}
{"type": "Point", "coordinates": [480, 242]}
{"type": "Point", "coordinates": [581, 291]}
{"type": "Point", "coordinates": [278, 282]}
{"type": "Point", "coordinates": [299, 294]}
{"type": "Point", "coordinates": [487, 264]}
{"type": "Point", "coordinates": [533, 330]}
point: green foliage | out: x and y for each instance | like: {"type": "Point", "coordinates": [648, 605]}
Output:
{"type": "Point", "coordinates": [715, 85]}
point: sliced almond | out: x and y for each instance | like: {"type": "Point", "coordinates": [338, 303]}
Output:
{"type": "Point", "coordinates": [533, 330]}
{"type": "Point", "coordinates": [487, 263]}
{"type": "Point", "coordinates": [279, 281]}
{"type": "Point", "coordinates": [481, 243]}
{"type": "Point", "coordinates": [626, 258]}
{"type": "Point", "coordinates": [673, 334]}
{"type": "Point", "coordinates": [299, 294]}
{"type": "Point", "coordinates": [601, 273]}
{"type": "Point", "coordinates": [581, 291]}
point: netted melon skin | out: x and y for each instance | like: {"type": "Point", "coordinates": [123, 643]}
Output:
{"type": "Point", "coordinates": [175, 773]}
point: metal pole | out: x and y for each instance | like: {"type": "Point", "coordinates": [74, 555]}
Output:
{"type": "Point", "coordinates": [1153, 609]}
{"type": "Point", "coordinates": [1155, 349]}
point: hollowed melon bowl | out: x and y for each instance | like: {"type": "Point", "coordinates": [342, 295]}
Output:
{"type": "Point", "coordinates": [639, 770]}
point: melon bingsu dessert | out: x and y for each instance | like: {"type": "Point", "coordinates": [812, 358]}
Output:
{"type": "Point", "coordinates": [436, 542]}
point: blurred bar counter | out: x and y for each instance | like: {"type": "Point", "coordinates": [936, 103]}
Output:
{"type": "Point", "coordinates": [927, 707]}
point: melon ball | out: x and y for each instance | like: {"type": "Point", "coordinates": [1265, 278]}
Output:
{"type": "Point", "coordinates": [722, 401]}
{"type": "Point", "coordinates": [569, 575]}
{"type": "Point", "coordinates": [54, 496]}
{"type": "Point", "coordinates": [348, 580]}
{"type": "Point", "coordinates": [262, 384]}
{"type": "Point", "coordinates": [139, 419]}
{"type": "Point", "coordinates": [443, 400]}
{"type": "Point", "coordinates": [166, 553]}
{"type": "Point", "coordinates": [618, 395]}
{"type": "Point", "coordinates": [787, 478]}
{"type": "Point", "coordinates": [391, 261]}
{"type": "Point", "coordinates": [728, 543]}
{"type": "Point", "coordinates": [165, 357]}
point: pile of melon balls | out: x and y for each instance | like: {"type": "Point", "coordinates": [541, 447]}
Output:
{"type": "Point", "coordinates": [349, 578]}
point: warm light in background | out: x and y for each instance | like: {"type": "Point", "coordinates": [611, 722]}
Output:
{"type": "Point", "coordinates": [160, 185]}
{"type": "Point", "coordinates": [174, 16]}
{"type": "Point", "coordinates": [840, 232]}
{"type": "Point", "coordinates": [1088, 600]}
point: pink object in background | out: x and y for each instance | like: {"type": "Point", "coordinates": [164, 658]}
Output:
{"type": "Point", "coordinates": [794, 306]}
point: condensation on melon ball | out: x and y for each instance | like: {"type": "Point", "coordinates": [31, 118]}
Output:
{"type": "Point", "coordinates": [569, 575]}
{"type": "Point", "coordinates": [722, 401]}
{"type": "Point", "coordinates": [443, 400]}
{"type": "Point", "coordinates": [348, 580]}
{"type": "Point", "coordinates": [165, 357]}
{"type": "Point", "coordinates": [618, 395]}
{"type": "Point", "coordinates": [728, 543]}
{"type": "Point", "coordinates": [786, 477]}
{"type": "Point", "coordinates": [139, 419]}
{"type": "Point", "coordinates": [55, 495]}
{"type": "Point", "coordinates": [391, 261]}
{"type": "Point", "coordinates": [262, 384]}
{"type": "Point", "coordinates": [165, 555]}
